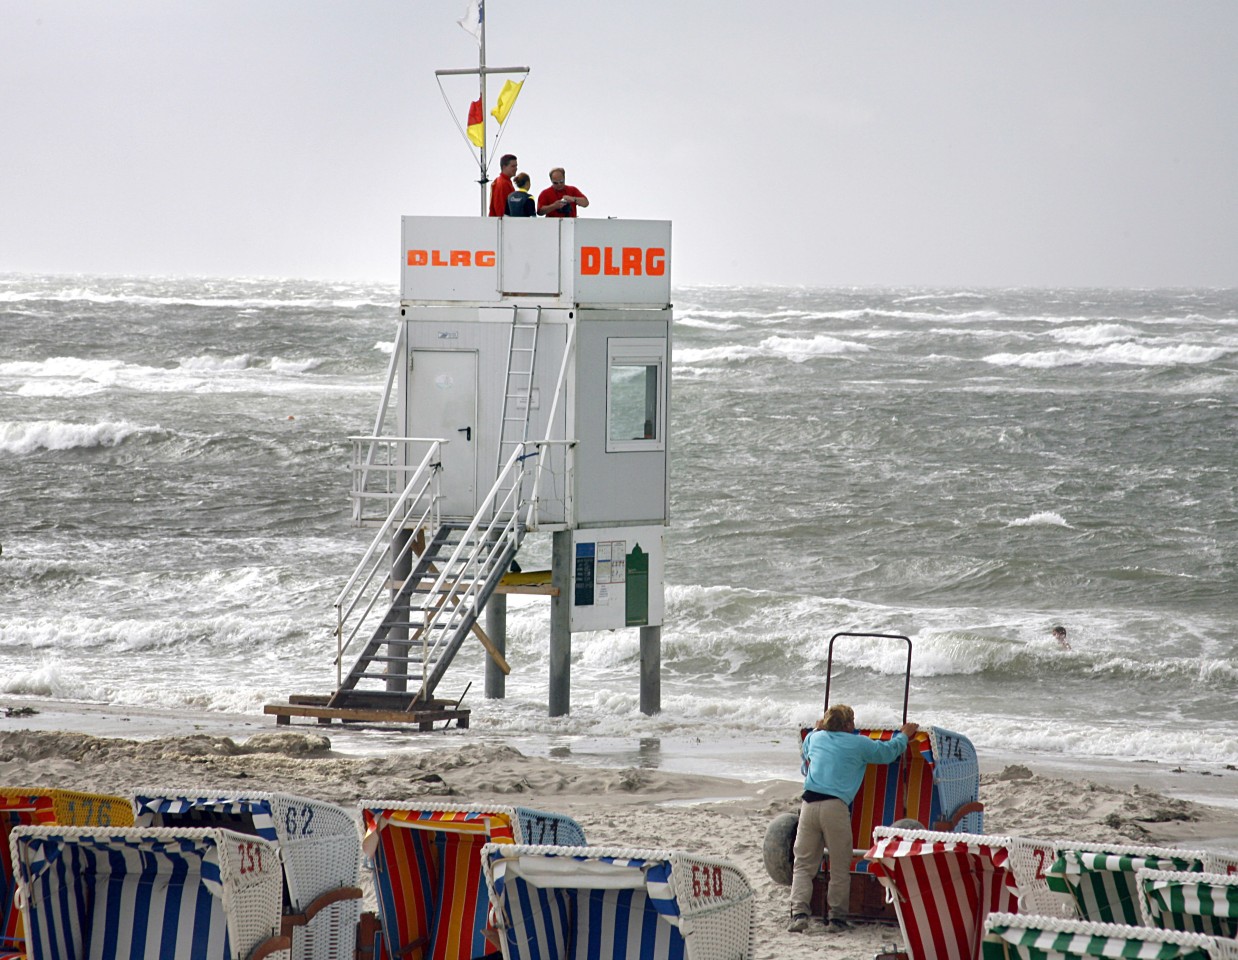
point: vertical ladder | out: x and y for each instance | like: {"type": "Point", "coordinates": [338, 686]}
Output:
{"type": "Point", "coordinates": [518, 389]}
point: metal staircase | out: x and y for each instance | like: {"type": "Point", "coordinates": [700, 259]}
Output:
{"type": "Point", "coordinates": [413, 628]}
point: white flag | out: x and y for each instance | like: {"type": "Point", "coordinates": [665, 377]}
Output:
{"type": "Point", "coordinates": [471, 21]}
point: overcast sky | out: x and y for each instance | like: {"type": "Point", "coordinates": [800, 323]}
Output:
{"type": "Point", "coordinates": [806, 142]}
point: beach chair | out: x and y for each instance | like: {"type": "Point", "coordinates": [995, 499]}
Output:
{"type": "Point", "coordinates": [943, 885]}
{"type": "Point", "coordinates": [88, 893]}
{"type": "Point", "coordinates": [599, 903]}
{"type": "Point", "coordinates": [41, 805]}
{"type": "Point", "coordinates": [1194, 902]}
{"type": "Point", "coordinates": [426, 863]}
{"type": "Point", "coordinates": [1101, 879]}
{"type": "Point", "coordinates": [935, 782]}
{"type": "Point", "coordinates": [319, 847]}
{"type": "Point", "coordinates": [1028, 937]}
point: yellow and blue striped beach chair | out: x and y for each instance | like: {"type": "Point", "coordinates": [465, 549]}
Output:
{"type": "Point", "coordinates": [600, 903]}
{"type": "Point", "coordinates": [41, 806]}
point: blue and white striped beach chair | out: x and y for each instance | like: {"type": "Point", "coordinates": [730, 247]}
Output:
{"type": "Point", "coordinates": [1028, 937]}
{"type": "Point", "coordinates": [599, 903]}
{"type": "Point", "coordinates": [1194, 902]}
{"type": "Point", "coordinates": [319, 844]}
{"type": "Point", "coordinates": [147, 894]}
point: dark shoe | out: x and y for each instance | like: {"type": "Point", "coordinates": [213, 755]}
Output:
{"type": "Point", "coordinates": [798, 924]}
{"type": "Point", "coordinates": [839, 926]}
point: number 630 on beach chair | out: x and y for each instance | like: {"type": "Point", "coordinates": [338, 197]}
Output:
{"type": "Point", "coordinates": [602, 903]}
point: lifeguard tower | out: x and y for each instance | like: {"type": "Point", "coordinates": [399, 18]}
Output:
{"type": "Point", "coordinates": [529, 388]}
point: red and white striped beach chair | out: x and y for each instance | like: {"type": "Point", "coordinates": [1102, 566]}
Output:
{"type": "Point", "coordinates": [147, 894]}
{"type": "Point", "coordinates": [42, 806]}
{"type": "Point", "coordinates": [603, 903]}
{"type": "Point", "coordinates": [1028, 937]}
{"type": "Point", "coordinates": [319, 845]}
{"type": "Point", "coordinates": [944, 885]}
{"type": "Point", "coordinates": [1194, 902]}
{"type": "Point", "coordinates": [427, 868]}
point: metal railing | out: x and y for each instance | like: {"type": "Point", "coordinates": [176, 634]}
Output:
{"type": "Point", "coordinates": [416, 506]}
{"type": "Point", "coordinates": [465, 578]}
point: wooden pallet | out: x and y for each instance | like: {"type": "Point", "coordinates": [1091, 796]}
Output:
{"type": "Point", "coordinates": [315, 706]}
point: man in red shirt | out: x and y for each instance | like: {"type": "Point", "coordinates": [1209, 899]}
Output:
{"type": "Point", "coordinates": [560, 199]}
{"type": "Point", "coordinates": [502, 187]}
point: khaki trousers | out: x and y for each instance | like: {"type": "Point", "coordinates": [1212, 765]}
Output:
{"type": "Point", "coordinates": [823, 824]}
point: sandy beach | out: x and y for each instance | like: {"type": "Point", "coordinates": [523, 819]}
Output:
{"type": "Point", "coordinates": [641, 803]}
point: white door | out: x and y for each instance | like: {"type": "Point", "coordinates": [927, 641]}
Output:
{"type": "Point", "coordinates": [443, 403]}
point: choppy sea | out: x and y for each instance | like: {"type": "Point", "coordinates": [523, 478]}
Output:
{"type": "Point", "coordinates": [965, 467]}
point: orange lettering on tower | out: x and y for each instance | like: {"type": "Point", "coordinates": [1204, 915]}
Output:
{"type": "Point", "coordinates": [461, 258]}
{"type": "Point", "coordinates": [418, 258]}
{"type": "Point", "coordinates": [631, 261]}
{"type": "Point", "coordinates": [655, 262]}
{"type": "Point", "coordinates": [436, 259]}
{"type": "Point", "coordinates": [609, 267]}
{"type": "Point", "coordinates": [590, 261]}
{"type": "Point", "coordinates": [484, 258]}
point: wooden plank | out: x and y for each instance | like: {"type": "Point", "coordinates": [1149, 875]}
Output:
{"type": "Point", "coordinates": [283, 712]}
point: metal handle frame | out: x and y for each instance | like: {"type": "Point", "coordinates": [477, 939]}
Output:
{"type": "Point", "coordinates": [829, 664]}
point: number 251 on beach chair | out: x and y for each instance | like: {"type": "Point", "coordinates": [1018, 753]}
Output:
{"type": "Point", "coordinates": [1195, 902]}
{"type": "Point", "coordinates": [426, 862]}
{"type": "Point", "coordinates": [604, 903]}
{"type": "Point", "coordinates": [319, 848]}
{"type": "Point", "coordinates": [1027, 937]}
{"type": "Point", "coordinates": [138, 894]}
{"type": "Point", "coordinates": [42, 806]}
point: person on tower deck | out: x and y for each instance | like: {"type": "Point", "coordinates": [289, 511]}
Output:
{"type": "Point", "coordinates": [560, 199]}
{"type": "Point", "coordinates": [502, 187]}
{"type": "Point", "coordinates": [520, 204]}
{"type": "Point", "coordinates": [837, 759]}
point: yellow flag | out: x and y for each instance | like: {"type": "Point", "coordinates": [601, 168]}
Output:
{"type": "Point", "coordinates": [507, 96]}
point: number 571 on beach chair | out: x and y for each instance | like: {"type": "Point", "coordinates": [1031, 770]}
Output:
{"type": "Point", "coordinates": [602, 903]}
{"type": "Point", "coordinates": [134, 894]}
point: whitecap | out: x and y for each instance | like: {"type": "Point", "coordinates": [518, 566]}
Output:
{"type": "Point", "coordinates": [1046, 518]}
{"type": "Point", "coordinates": [27, 437]}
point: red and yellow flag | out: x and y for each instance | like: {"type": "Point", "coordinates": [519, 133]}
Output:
{"type": "Point", "coordinates": [477, 124]}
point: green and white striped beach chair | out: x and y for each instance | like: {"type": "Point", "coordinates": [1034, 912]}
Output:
{"type": "Point", "coordinates": [1101, 879]}
{"type": "Point", "coordinates": [93, 893]}
{"type": "Point", "coordinates": [1025, 937]}
{"type": "Point", "coordinates": [1194, 902]}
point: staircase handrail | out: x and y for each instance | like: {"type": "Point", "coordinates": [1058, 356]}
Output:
{"type": "Point", "coordinates": [454, 596]}
{"type": "Point", "coordinates": [392, 366]}
{"type": "Point", "coordinates": [421, 487]}
{"type": "Point", "coordinates": [542, 447]}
